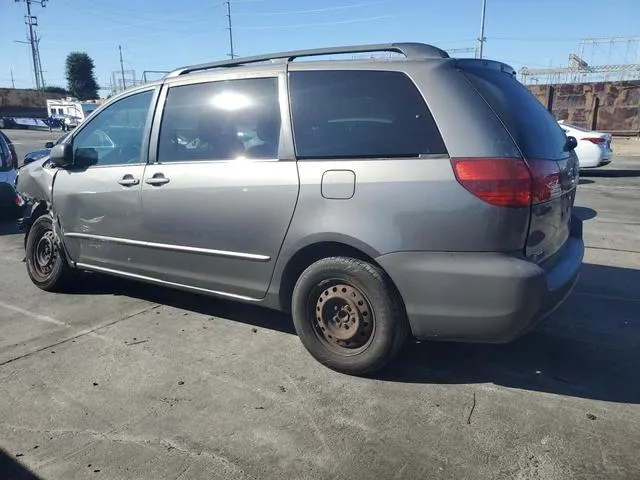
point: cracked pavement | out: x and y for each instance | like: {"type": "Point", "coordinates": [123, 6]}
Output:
{"type": "Point", "coordinates": [125, 381]}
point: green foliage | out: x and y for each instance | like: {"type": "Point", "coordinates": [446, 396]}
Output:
{"type": "Point", "coordinates": [81, 80]}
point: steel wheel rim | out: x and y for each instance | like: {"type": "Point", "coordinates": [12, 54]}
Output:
{"type": "Point", "coordinates": [343, 317]}
{"type": "Point", "coordinates": [45, 254]}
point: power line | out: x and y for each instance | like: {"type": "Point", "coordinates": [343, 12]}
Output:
{"type": "Point", "coordinates": [314, 10]}
{"type": "Point", "coordinates": [321, 24]}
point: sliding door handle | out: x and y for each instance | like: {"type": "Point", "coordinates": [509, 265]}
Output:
{"type": "Point", "coordinates": [157, 180]}
{"type": "Point", "coordinates": [128, 181]}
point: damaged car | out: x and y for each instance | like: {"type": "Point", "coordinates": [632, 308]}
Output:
{"type": "Point", "coordinates": [422, 196]}
{"type": "Point", "coordinates": [10, 201]}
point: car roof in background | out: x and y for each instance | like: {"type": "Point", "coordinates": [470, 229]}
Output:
{"type": "Point", "coordinates": [575, 127]}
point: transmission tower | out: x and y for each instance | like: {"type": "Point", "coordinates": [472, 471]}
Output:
{"type": "Point", "coordinates": [31, 21]}
{"type": "Point", "coordinates": [598, 60]}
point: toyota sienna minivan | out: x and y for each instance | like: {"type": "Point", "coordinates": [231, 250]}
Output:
{"type": "Point", "coordinates": [373, 199]}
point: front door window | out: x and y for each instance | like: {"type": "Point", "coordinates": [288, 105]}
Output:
{"type": "Point", "coordinates": [115, 135]}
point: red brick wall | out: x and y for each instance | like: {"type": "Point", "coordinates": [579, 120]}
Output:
{"type": "Point", "coordinates": [15, 102]}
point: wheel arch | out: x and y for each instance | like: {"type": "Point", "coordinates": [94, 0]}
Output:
{"type": "Point", "coordinates": [37, 210]}
{"type": "Point", "coordinates": [311, 253]}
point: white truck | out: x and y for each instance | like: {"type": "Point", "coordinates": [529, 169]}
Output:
{"type": "Point", "coordinates": [70, 110]}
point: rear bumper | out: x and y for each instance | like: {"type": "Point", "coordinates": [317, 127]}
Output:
{"type": "Point", "coordinates": [595, 156]}
{"type": "Point", "coordinates": [481, 297]}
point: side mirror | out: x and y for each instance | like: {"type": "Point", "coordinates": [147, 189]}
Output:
{"type": "Point", "coordinates": [571, 144]}
{"type": "Point", "coordinates": [61, 155]}
{"type": "Point", "coordinates": [49, 145]}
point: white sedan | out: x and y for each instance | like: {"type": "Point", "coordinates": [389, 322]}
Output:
{"type": "Point", "coordinates": [594, 148]}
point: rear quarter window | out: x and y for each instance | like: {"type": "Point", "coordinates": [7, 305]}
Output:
{"type": "Point", "coordinates": [534, 129]}
{"type": "Point", "coordinates": [365, 114]}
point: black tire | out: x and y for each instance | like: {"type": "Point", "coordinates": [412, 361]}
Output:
{"type": "Point", "coordinates": [47, 266]}
{"type": "Point", "coordinates": [348, 315]}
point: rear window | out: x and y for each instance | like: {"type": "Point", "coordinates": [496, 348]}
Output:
{"type": "Point", "coordinates": [366, 114]}
{"type": "Point", "coordinates": [534, 129]}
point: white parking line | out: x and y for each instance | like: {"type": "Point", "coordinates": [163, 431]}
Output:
{"type": "Point", "coordinates": [34, 315]}
{"type": "Point", "coordinates": [609, 187]}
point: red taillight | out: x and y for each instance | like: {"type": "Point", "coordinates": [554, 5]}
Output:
{"type": "Point", "coordinates": [546, 180]}
{"type": "Point", "coordinates": [596, 140]}
{"type": "Point", "coordinates": [504, 182]}
{"type": "Point", "coordinates": [509, 182]}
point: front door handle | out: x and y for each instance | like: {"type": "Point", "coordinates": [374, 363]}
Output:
{"type": "Point", "coordinates": [128, 181]}
{"type": "Point", "coordinates": [157, 180]}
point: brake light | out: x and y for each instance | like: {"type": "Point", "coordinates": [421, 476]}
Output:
{"type": "Point", "coordinates": [596, 140]}
{"type": "Point", "coordinates": [504, 182]}
{"type": "Point", "coordinates": [509, 182]}
{"type": "Point", "coordinates": [19, 201]}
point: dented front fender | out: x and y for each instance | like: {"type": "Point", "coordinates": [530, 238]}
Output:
{"type": "Point", "coordinates": [35, 181]}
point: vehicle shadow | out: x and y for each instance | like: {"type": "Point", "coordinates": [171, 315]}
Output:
{"type": "Point", "coordinates": [589, 348]}
{"type": "Point", "coordinates": [609, 173]}
{"type": "Point", "coordinates": [11, 469]}
{"type": "Point", "coordinates": [584, 213]}
{"type": "Point", "coordinates": [584, 181]}
{"type": "Point", "coordinates": [97, 284]}
{"type": "Point", "coordinates": [8, 226]}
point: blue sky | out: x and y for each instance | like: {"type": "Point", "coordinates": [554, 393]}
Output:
{"type": "Point", "coordinates": [164, 34]}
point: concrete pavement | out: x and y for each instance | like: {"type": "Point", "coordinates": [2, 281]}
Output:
{"type": "Point", "coordinates": [119, 380]}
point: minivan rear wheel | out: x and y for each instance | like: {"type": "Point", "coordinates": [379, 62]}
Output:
{"type": "Point", "coordinates": [46, 264]}
{"type": "Point", "coordinates": [348, 315]}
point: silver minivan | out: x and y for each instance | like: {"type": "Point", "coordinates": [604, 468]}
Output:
{"type": "Point", "coordinates": [372, 199]}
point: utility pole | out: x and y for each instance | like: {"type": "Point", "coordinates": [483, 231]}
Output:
{"type": "Point", "coordinates": [13, 84]}
{"type": "Point", "coordinates": [231, 54]}
{"type": "Point", "coordinates": [124, 86]}
{"type": "Point", "coordinates": [42, 84]}
{"type": "Point", "coordinates": [481, 40]}
{"type": "Point", "coordinates": [32, 21]}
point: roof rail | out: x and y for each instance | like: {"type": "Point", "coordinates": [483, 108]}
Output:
{"type": "Point", "coordinates": [412, 51]}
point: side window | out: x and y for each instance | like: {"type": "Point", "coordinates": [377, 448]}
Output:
{"type": "Point", "coordinates": [114, 137]}
{"type": "Point", "coordinates": [343, 114]}
{"type": "Point", "coordinates": [4, 156]}
{"type": "Point", "coordinates": [221, 121]}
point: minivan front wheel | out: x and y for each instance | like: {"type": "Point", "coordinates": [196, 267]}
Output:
{"type": "Point", "coordinates": [348, 315]}
{"type": "Point", "coordinates": [46, 264]}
